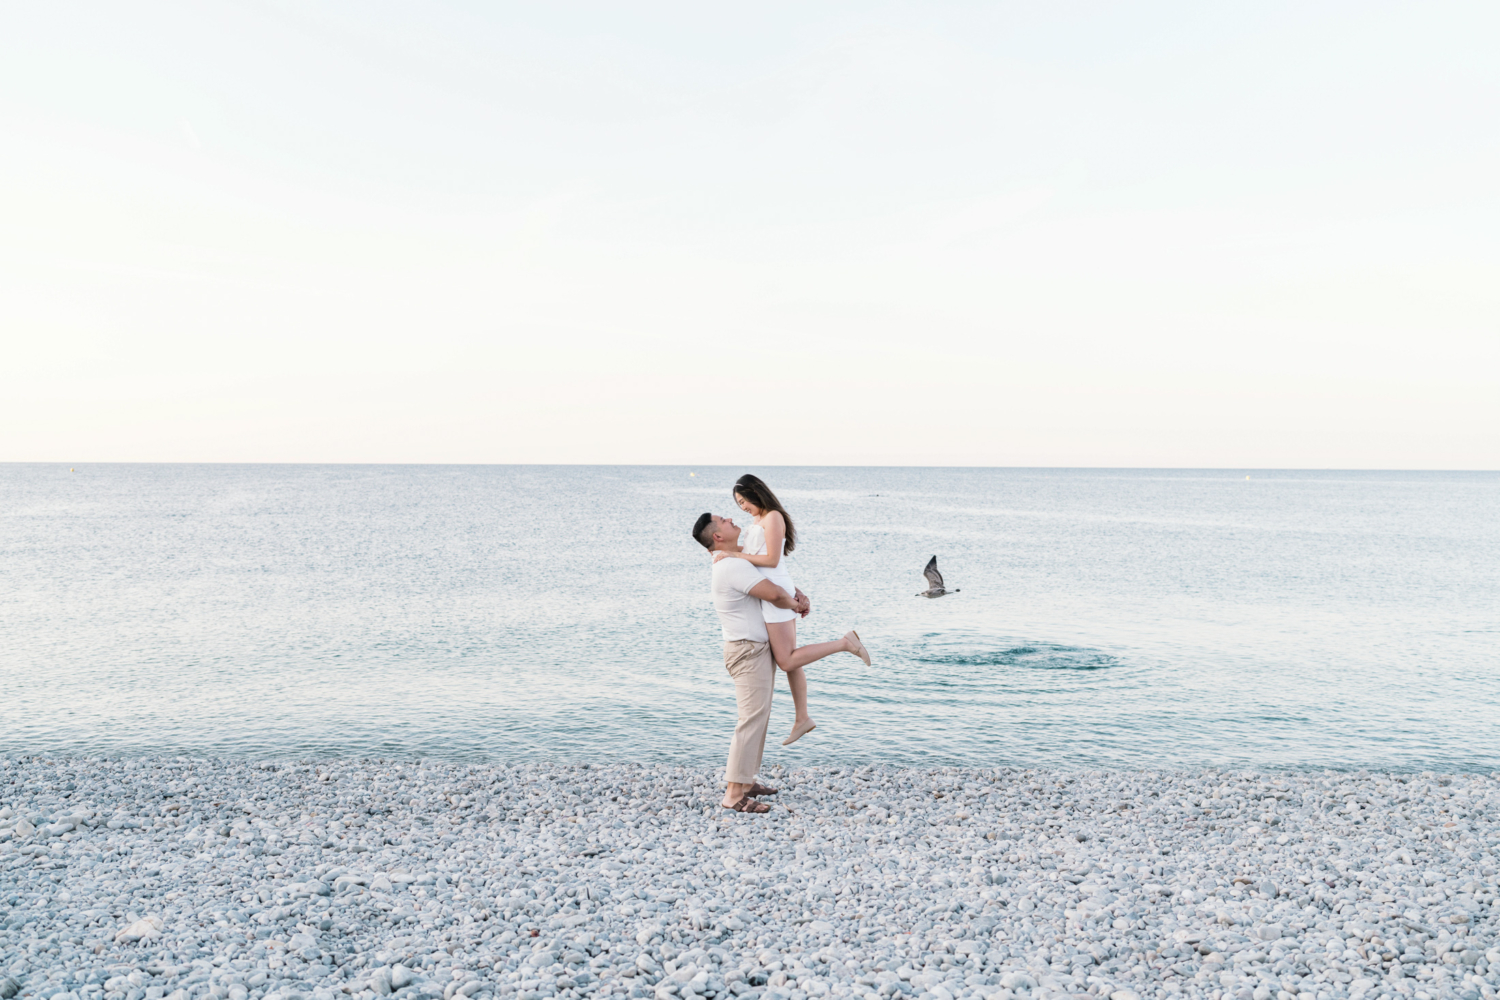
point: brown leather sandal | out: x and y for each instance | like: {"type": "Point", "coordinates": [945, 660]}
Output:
{"type": "Point", "coordinates": [759, 789]}
{"type": "Point", "coordinates": [747, 805]}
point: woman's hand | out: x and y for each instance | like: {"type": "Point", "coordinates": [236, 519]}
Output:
{"type": "Point", "coordinates": [721, 554]}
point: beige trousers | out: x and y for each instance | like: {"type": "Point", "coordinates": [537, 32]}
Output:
{"type": "Point", "coordinates": [754, 672]}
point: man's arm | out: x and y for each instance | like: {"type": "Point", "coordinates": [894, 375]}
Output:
{"type": "Point", "coordinates": [765, 590]}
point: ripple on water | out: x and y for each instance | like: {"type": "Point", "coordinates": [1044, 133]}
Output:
{"type": "Point", "coordinates": [937, 650]}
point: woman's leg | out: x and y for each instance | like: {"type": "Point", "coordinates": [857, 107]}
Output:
{"type": "Point", "coordinates": [783, 642]}
{"type": "Point", "coordinates": [783, 637]}
{"type": "Point", "coordinates": [796, 659]}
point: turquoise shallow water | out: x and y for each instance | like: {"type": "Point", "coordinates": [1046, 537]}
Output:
{"type": "Point", "coordinates": [1106, 618]}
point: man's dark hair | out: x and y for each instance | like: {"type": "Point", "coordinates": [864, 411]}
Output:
{"type": "Point", "coordinates": [703, 531]}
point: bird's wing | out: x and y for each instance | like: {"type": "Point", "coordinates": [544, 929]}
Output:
{"type": "Point", "coordinates": [934, 578]}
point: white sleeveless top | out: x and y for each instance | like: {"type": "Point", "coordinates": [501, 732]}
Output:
{"type": "Point", "coordinates": [753, 541]}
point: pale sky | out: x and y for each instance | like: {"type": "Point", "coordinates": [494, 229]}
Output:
{"type": "Point", "coordinates": [1058, 234]}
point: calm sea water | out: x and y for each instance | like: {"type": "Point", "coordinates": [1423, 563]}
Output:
{"type": "Point", "coordinates": [1106, 618]}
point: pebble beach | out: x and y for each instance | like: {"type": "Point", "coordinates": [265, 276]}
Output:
{"type": "Point", "coordinates": [189, 879]}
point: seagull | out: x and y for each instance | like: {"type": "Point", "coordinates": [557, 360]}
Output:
{"type": "Point", "coordinates": [935, 581]}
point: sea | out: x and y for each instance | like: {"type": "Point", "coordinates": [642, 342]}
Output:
{"type": "Point", "coordinates": [1099, 618]}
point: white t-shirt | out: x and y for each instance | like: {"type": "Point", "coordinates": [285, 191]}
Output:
{"type": "Point", "coordinates": [739, 613]}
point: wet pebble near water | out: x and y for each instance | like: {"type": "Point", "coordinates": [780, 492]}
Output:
{"type": "Point", "coordinates": [189, 880]}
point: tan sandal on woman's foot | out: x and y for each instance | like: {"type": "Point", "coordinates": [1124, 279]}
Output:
{"type": "Point", "coordinates": [747, 805]}
{"type": "Point", "coordinates": [758, 789]}
{"type": "Point", "coordinates": [799, 730]}
{"type": "Point", "coordinates": [859, 649]}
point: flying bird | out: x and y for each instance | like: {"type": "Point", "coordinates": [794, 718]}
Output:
{"type": "Point", "coordinates": [934, 581]}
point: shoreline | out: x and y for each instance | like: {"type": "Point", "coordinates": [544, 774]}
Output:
{"type": "Point", "coordinates": [176, 878]}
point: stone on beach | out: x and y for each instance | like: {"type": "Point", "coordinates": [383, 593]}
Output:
{"type": "Point", "coordinates": [347, 880]}
{"type": "Point", "coordinates": [146, 927]}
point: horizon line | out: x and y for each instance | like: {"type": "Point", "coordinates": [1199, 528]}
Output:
{"type": "Point", "coordinates": [802, 465]}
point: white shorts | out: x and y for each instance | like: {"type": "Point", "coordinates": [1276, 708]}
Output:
{"type": "Point", "coordinates": [779, 576]}
{"type": "Point", "coordinates": [772, 614]}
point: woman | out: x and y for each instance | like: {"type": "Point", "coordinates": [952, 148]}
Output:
{"type": "Point", "coordinates": [764, 543]}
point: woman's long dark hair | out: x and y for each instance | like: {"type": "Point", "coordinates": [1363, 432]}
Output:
{"type": "Point", "coordinates": [752, 489]}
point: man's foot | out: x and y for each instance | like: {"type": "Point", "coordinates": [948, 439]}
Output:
{"type": "Point", "coordinates": [857, 647]}
{"type": "Point", "coordinates": [747, 805]}
{"type": "Point", "coordinates": [799, 730]}
{"type": "Point", "coordinates": [759, 789]}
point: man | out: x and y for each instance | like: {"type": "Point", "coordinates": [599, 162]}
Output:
{"type": "Point", "coordinates": [738, 588]}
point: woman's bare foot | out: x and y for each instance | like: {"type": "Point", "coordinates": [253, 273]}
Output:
{"type": "Point", "coordinates": [856, 647]}
{"type": "Point", "coordinates": [800, 728]}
